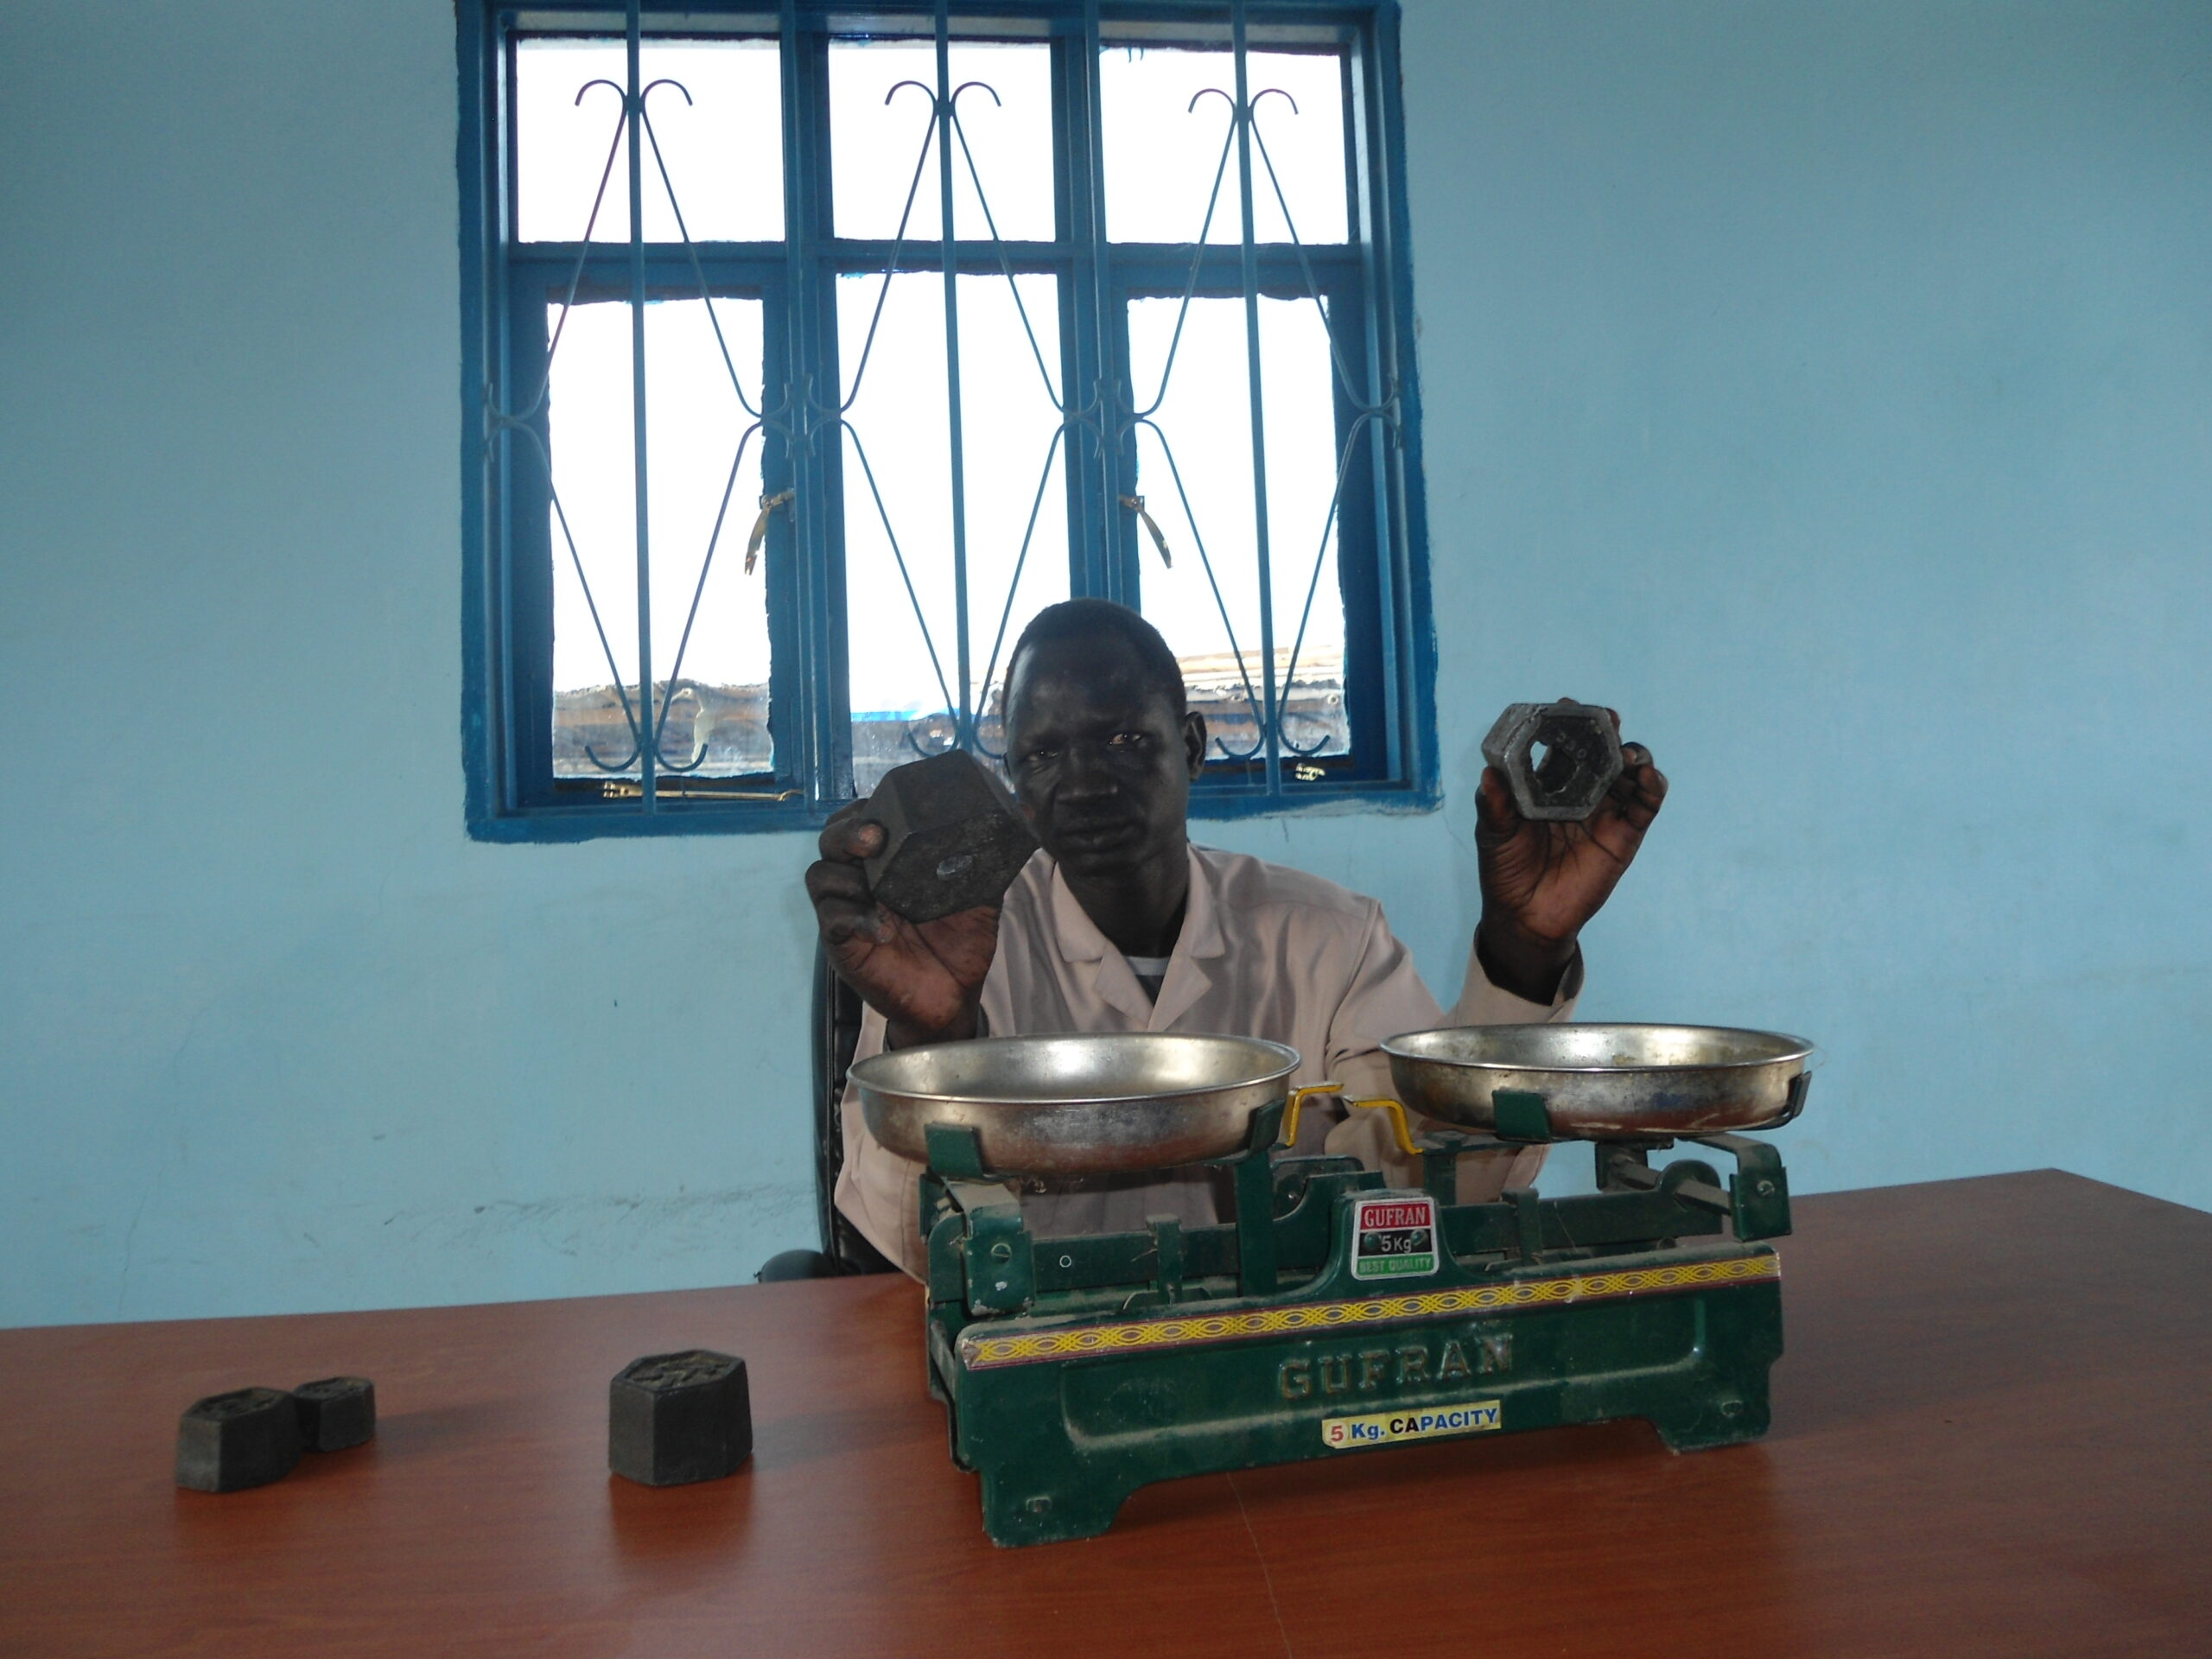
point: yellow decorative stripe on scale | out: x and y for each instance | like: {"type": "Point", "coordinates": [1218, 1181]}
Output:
{"type": "Point", "coordinates": [981, 1353]}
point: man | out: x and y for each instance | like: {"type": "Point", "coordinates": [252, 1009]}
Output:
{"type": "Point", "coordinates": [1118, 924]}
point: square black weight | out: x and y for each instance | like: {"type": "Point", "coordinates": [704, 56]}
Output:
{"type": "Point", "coordinates": [676, 1418]}
{"type": "Point", "coordinates": [335, 1413]}
{"type": "Point", "coordinates": [228, 1442]}
{"type": "Point", "coordinates": [953, 837]}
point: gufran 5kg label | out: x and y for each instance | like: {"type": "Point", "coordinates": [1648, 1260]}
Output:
{"type": "Point", "coordinates": [1393, 1236]}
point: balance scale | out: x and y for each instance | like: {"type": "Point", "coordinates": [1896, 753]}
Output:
{"type": "Point", "coordinates": [1335, 1314]}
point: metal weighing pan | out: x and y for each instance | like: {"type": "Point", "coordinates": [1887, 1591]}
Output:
{"type": "Point", "coordinates": [1601, 1082]}
{"type": "Point", "coordinates": [1076, 1105]}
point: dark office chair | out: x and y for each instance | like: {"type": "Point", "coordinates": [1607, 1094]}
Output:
{"type": "Point", "coordinates": [837, 1030]}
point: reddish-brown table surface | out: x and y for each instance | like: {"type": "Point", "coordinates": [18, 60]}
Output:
{"type": "Point", "coordinates": [1990, 1437]}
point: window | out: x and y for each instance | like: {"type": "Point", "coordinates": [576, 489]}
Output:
{"type": "Point", "coordinates": [812, 348]}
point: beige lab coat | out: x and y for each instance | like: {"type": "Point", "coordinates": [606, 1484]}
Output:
{"type": "Point", "coordinates": [1265, 951]}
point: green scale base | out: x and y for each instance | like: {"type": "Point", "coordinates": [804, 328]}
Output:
{"type": "Point", "coordinates": [1335, 1315]}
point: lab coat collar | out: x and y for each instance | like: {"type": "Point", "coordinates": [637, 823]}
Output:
{"type": "Point", "coordinates": [1081, 941]}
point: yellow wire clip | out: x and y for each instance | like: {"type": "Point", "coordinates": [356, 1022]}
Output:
{"type": "Point", "coordinates": [1401, 1131]}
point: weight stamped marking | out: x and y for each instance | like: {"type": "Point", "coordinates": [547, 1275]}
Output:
{"type": "Point", "coordinates": [984, 1352]}
{"type": "Point", "coordinates": [1381, 1428]}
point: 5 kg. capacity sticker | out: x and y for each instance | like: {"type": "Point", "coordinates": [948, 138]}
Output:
{"type": "Point", "coordinates": [1470, 1417]}
{"type": "Point", "coordinates": [1393, 1238]}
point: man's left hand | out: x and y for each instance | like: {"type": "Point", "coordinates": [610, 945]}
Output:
{"type": "Point", "coordinates": [1542, 881]}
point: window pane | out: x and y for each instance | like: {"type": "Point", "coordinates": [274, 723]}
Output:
{"type": "Point", "coordinates": [904, 667]}
{"type": "Point", "coordinates": [1163, 155]}
{"type": "Point", "coordinates": [1201, 432]}
{"type": "Point", "coordinates": [876, 147]}
{"type": "Point", "coordinates": [723, 149]}
{"type": "Point", "coordinates": [717, 715]}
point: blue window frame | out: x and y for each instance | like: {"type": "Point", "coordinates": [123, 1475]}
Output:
{"type": "Point", "coordinates": [731, 313]}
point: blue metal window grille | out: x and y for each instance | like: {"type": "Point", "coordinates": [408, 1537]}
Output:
{"type": "Point", "coordinates": [802, 365]}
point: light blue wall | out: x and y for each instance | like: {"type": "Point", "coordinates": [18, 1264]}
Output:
{"type": "Point", "coordinates": [1829, 386]}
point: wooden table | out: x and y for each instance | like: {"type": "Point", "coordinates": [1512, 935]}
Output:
{"type": "Point", "coordinates": [1990, 1437]}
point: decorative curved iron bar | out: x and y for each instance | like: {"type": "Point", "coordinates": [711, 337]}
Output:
{"type": "Point", "coordinates": [1313, 286]}
{"type": "Point", "coordinates": [1385, 411]}
{"type": "Point", "coordinates": [503, 422]}
{"type": "Point", "coordinates": [1313, 583]}
{"type": "Point", "coordinates": [1282, 737]}
{"type": "Point", "coordinates": [1014, 582]}
{"type": "Point", "coordinates": [898, 244]}
{"type": "Point", "coordinates": [677, 688]}
{"type": "Point", "coordinates": [897, 553]}
{"type": "Point", "coordinates": [990, 224]}
{"type": "Point", "coordinates": [1205, 560]}
{"type": "Point", "coordinates": [583, 256]}
{"type": "Point", "coordinates": [1090, 417]}
{"type": "Point", "coordinates": [1111, 418]}
{"type": "Point", "coordinates": [1364, 412]}
{"type": "Point", "coordinates": [1262, 719]}
{"type": "Point", "coordinates": [914, 743]}
{"type": "Point", "coordinates": [1197, 260]}
{"type": "Point", "coordinates": [623, 765]}
{"type": "Point", "coordinates": [1093, 415]}
{"type": "Point", "coordinates": [698, 591]}
{"type": "Point", "coordinates": [830, 415]}
{"type": "Point", "coordinates": [691, 250]}
{"type": "Point", "coordinates": [745, 439]}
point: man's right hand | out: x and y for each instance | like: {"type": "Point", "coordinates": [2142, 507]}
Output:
{"type": "Point", "coordinates": [925, 978]}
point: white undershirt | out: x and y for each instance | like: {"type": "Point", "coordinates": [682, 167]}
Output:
{"type": "Point", "coordinates": [1150, 971]}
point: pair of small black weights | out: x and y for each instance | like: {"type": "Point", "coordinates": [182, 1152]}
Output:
{"type": "Point", "coordinates": [250, 1437]}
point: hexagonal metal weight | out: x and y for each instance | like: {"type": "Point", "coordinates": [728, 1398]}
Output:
{"type": "Point", "coordinates": [672, 1418]}
{"type": "Point", "coordinates": [1560, 759]}
{"type": "Point", "coordinates": [953, 837]}
{"type": "Point", "coordinates": [228, 1442]}
{"type": "Point", "coordinates": [336, 1412]}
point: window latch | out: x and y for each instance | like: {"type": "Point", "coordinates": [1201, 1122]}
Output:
{"type": "Point", "coordinates": [768, 505]}
{"type": "Point", "coordinates": [1135, 504]}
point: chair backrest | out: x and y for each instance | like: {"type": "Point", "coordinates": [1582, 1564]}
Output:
{"type": "Point", "coordinates": [837, 1010]}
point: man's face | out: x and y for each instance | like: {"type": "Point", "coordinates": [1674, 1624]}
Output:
{"type": "Point", "coordinates": [1101, 762]}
